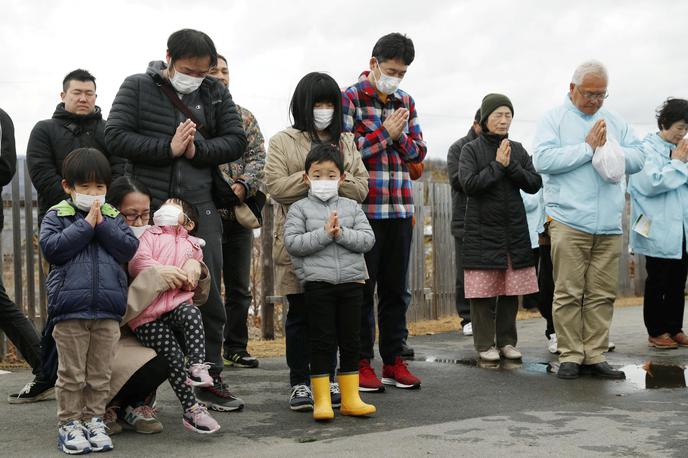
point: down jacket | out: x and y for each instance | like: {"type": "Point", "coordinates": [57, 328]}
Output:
{"type": "Point", "coordinates": [316, 255]}
{"type": "Point", "coordinates": [495, 225]}
{"type": "Point", "coordinates": [169, 246]}
{"type": "Point", "coordinates": [143, 121]}
{"type": "Point", "coordinates": [458, 196]}
{"type": "Point", "coordinates": [8, 154]}
{"type": "Point", "coordinates": [86, 280]}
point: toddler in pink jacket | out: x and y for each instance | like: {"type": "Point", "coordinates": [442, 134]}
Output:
{"type": "Point", "coordinates": [169, 243]}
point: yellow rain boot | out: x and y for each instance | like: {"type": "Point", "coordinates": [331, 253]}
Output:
{"type": "Point", "coordinates": [351, 400]}
{"type": "Point", "coordinates": [322, 403]}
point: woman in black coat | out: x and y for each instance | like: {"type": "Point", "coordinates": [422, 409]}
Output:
{"type": "Point", "coordinates": [498, 260]}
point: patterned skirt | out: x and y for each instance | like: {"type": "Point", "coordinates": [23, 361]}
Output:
{"type": "Point", "coordinates": [481, 283]}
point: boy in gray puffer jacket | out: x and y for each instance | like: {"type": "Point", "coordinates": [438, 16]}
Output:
{"type": "Point", "coordinates": [326, 237]}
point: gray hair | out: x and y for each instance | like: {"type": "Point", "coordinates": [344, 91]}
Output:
{"type": "Point", "coordinates": [589, 67]}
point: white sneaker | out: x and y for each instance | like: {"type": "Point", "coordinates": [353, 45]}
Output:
{"type": "Point", "coordinates": [611, 346]}
{"type": "Point", "coordinates": [97, 435]}
{"type": "Point", "coordinates": [510, 352]}
{"type": "Point", "coordinates": [468, 329]}
{"type": "Point", "coordinates": [489, 355]}
{"type": "Point", "coordinates": [552, 344]}
{"type": "Point", "coordinates": [71, 438]}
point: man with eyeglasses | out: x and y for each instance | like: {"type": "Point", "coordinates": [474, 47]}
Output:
{"type": "Point", "coordinates": [174, 124]}
{"type": "Point", "coordinates": [584, 214]}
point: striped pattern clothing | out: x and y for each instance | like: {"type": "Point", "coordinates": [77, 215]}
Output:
{"type": "Point", "coordinates": [389, 184]}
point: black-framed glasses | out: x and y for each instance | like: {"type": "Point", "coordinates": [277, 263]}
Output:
{"type": "Point", "coordinates": [145, 217]}
{"type": "Point", "coordinates": [597, 96]}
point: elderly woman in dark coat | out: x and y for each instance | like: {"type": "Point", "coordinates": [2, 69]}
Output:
{"type": "Point", "coordinates": [497, 258]}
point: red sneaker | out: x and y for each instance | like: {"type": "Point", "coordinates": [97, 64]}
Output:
{"type": "Point", "coordinates": [367, 380]}
{"type": "Point", "coordinates": [397, 374]}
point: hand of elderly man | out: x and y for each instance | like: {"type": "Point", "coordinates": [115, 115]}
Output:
{"type": "Point", "coordinates": [504, 153]}
{"type": "Point", "coordinates": [597, 135]}
{"type": "Point", "coordinates": [681, 151]}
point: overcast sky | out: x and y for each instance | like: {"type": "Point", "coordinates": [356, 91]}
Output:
{"type": "Point", "coordinates": [464, 49]}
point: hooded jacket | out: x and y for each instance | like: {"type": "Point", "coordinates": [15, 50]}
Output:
{"type": "Point", "coordinates": [574, 192]}
{"type": "Point", "coordinates": [86, 280]}
{"type": "Point", "coordinates": [50, 142]}
{"type": "Point", "coordinates": [660, 193]}
{"type": "Point", "coordinates": [143, 121]}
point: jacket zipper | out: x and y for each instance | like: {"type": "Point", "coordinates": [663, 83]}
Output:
{"type": "Point", "coordinates": [94, 258]}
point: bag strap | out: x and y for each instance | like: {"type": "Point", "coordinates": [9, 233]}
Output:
{"type": "Point", "coordinates": [177, 102]}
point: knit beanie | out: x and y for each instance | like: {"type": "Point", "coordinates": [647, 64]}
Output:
{"type": "Point", "coordinates": [490, 103]}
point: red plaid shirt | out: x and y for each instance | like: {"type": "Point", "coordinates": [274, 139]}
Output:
{"type": "Point", "coordinates": [389, 184]}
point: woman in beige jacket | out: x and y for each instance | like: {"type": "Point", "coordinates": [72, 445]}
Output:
{"type": "Point", "coordinates": [316, 109]}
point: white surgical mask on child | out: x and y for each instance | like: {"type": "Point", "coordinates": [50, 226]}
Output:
{"type": "Point", "coordinates": [324, 189]}
{"type": "Point", "coordinates": [85, 201]}
{"type": "Point", "coordinates": [322, 117]}
{"type": "Point", "coordinates": [167, 215]}
{"type": "Point", "coordinates": [185, 84]}
{"type": "Point", "coordinates": [139, 230]}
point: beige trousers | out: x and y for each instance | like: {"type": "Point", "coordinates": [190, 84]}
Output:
{"type": "Point", "coordinates": [586, 273]}
{"type": "Point", "coordinates": [85, 350]}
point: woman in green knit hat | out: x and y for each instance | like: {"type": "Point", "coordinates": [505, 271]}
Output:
{"type": "Point", "coordinates": [498, 260]}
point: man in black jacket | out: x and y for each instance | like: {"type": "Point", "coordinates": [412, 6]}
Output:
{"type": "Point", "coordinates": [13, 322]}
{"type": "Point", "coordinates": [174, 149]}
{"type": "Point", "coordinates": [76, 123]}
{"type": "Point", "coordinates": [458, 212]}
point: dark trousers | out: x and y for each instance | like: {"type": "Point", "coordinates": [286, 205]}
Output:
{"type": "Point", "coordinates": [144, 382]}
{"type": "Point", "coordinates": [20, 331]}
{"type": "Point", "coordinates": [387, 266]}
{"type": "Point", "coordinates": [334, 323]}
{"type": "Point", "coordinates": [213, 311]}
{"type": "Point", "coordinates": [494, 319]}
{"type": "Point", "coordinates": [664, 294]}
{"type": "Point", "coordinates": [546, 286]}
{"type": "Point", "coordinates": [532, 300]}
{"type": "Point", "coordinates": [237, 244]}
{"type": "Point", "coordinates": [463, 308]}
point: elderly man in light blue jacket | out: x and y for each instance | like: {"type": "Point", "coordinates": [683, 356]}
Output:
{"type": "Point", "coordinates": [584, 217]}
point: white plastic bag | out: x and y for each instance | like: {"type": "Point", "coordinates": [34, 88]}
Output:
{"type": "Point", "coordinates": [609, 162]}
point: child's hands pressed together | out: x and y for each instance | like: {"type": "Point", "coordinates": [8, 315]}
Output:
{"type": "Point", "coordinates": [332, 225]}
{"type": "Point", "coordinates": [94, 215]}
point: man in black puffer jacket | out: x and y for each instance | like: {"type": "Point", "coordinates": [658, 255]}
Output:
{"type": "Point", "coordinates": [175, 155]}
{"type": "Point", "coordinates": [76, 123]}
{"type": "Point", "coordinates": [458, 211]}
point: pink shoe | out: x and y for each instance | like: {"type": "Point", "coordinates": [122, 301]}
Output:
{"type": "Point", "coordinates": [198, 375]}
{"type": "Point", "coordinates": [198, 420]}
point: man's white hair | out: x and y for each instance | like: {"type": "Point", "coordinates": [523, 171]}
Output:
{"type": "Point", "coordinates": [589, 67]}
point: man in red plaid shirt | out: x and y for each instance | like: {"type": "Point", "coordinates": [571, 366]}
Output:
{"type": "Point", "coordinates": [383, 118]}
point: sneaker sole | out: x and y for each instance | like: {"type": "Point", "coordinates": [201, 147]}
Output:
{"type": "Point", "coordinates": [105, 448]}
{"type": "Point", "coordinates": [662, 347]}
{"type": "Point", "coordinates": [366, 389]}
{"type": "Point", "coordinates": [230, 363]}
{"type": "Point", "coordinates": [44, 396]}
{"type": "Point", "coordinates": [303, 408]}
{"type": "Point", "coordinates": [198, 384]}
{"type": "Point", "coordinates": [189, 427]}
{"type": "Point", "coordinates": [221, 408]}
{"type": "Point", "coordinates": [140, 431]}
{"type": "Point", "coordinates": [63, 449]}
{"type": "Point", "coordinates": [393, 382]}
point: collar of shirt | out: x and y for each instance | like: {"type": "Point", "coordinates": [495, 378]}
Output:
{"type": "Point", "coordinates": [370, 90]}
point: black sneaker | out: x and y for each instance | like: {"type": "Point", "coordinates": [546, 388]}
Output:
{"type": "Point", "coordinates": [301, 398]}
{"type": "Point", "coordinates": [335, 394]}
{"type": "Point", "coordinates": [406, 351]}
{"type": "Point", "coordinates": [240, 359]}
{"type": "Point", "coordinates": [34, 391]}
{"type": "Point", "coordinates": [218, 397]}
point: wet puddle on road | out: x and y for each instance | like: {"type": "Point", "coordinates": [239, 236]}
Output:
{"type": "Point", "coordinates": [504, 364]}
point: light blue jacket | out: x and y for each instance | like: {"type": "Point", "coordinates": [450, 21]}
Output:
{"type": "Point", "coordinates": [574, 193]}
{"type": "Point", "coordinates": [535, 214]}
{"type": "Point", "coordinates": [660, 193]}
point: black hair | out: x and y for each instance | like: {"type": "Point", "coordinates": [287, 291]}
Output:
{"type": "Point", "coordinates": [84, 165]}
{"type": "Point", "coordinates": [476, 118]}
{"type": "Point", "coordinates": [187, 43]}
{"type": "Point", "coordinates": [189, 210]}
{"type": "Point", "coordinates": [220, 56]}
{"type": "Point", "coordinates": [315, 88]}
{"type": "Point", "coordinates": [324, 152]}
{"type": "Point", "coordinates": [122, 186]}
{"type": "Point", "coordinates": [394, 46]}
{"type": "Point", "coordinates": [78, 75]}
{"type": "Point", "coordinates": [672, 111]}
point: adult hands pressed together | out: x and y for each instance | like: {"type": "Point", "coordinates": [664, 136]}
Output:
{"type": "Point", "coordinates": [183, 140]}
{"type": "Point", "coordinates": [394, 124]}
{"type": "Point", "coordinates": [681, 151]}
{"type": "Point", "coordinates": [597, 135]}
{"type": "Point", "coordinates": [504, 153]}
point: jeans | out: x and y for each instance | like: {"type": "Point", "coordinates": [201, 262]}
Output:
{"type": "Point", "coordinates": [237, 244]}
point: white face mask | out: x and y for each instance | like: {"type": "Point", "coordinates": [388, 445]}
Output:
{"type": "Point", "coordinates": [322, 117]}
{"type": "Point", "coordinates": [167, 215]}
{"type": "Point", "coordinates": [324, 189]}
{"type": "Point", "coordinates": [84, 201]}
{"type": "Point", "coordinates": [386, 84]}
{"type": "Point", "coordinates": [185, 84]}
{"type": "Point", "coordinates": [139, 230]}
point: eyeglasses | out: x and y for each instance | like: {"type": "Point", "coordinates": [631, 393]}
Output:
{"type": "Point", "coordinates": [593, 95]}
{"type": "Point", "coordinates": [145, 217]}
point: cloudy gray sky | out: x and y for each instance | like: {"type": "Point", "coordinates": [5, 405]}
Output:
{"type": "Point", "coordinates": [526, 49]}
